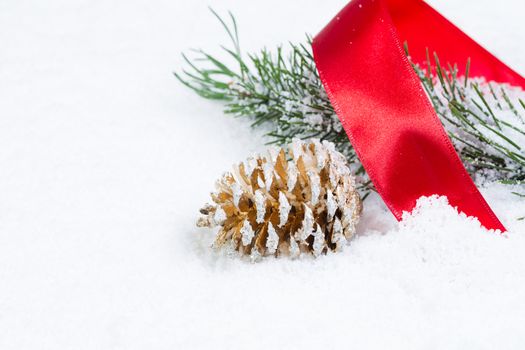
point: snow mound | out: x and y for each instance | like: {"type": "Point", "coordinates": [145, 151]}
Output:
{"type": "Point", "coordinates": [435, 211]}
{"type": "Point", "coordinates": [436, 278]}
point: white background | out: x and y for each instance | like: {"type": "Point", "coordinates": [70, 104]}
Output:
{"type": "Point", "coordinates": [105, 159]}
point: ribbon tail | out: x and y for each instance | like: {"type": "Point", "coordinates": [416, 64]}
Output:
{"type": "Point", "coordinates": [423, 28]}
{"type": "Point", "coordinates": [386, 113]}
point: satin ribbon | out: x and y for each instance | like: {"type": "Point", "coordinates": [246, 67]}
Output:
{"type": "Point", "coordinates": [383, 108]}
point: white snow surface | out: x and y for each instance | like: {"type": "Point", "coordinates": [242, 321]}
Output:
{"type": "Point", "coordinates": [105, 160]}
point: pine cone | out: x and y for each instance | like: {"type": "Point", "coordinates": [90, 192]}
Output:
{"type": "Point", "coordinates": [271, 206]}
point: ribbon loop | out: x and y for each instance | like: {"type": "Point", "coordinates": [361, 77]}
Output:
{"type": "Point", "coordinates": [383, 108]}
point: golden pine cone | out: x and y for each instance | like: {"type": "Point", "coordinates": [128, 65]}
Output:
{"type": "Point", "coordinates": [271, 206]}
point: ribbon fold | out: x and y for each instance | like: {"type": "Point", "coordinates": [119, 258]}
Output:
{"type": "Point", "coordinates": [383, 108]}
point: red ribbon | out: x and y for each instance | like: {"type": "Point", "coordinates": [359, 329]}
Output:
{"type": "Point", "coordinates": [383, 108]}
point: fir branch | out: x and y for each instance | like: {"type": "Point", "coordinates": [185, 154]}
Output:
{"type": "Point", "coordinates": [483, 123]}
{"type": "Point", "coordinates": [283, 92]}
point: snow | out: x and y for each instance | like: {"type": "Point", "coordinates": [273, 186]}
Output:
{"type": "Point", "coordinates": [105, 160]}
{"type": "Point", "coordinates": [247, 233]}
{"type": "Point", "coordinates": [273, 239]}
{"type": "Point", "coordinates": [284, 209]}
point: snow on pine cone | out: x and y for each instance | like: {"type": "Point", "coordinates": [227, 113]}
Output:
{"type": "Point", "coordinates": [270, 205]}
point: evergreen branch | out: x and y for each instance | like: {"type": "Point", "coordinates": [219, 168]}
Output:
{"type": "Point", "coordinates": [284, 93]}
